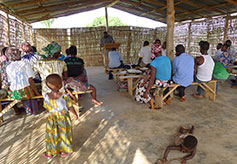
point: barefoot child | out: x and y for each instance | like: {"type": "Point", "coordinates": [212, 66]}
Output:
{"type": "Point", "coordinates": [184, 142]}
{"type": "Point", "coordinates": [58, 127]}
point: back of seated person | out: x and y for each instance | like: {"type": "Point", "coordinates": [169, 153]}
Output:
{"type": "Point", "coordinates": [115, 59]}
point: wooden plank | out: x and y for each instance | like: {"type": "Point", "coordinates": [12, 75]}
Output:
{"type": "Point", "coordinates": [170, 29]}
{"type": "Point", "coordinates": [232, 2]}
{"type": "Point", "coordinates": [202, 8]}
{"type": "Point", "coordinates": [25, 3]}
{"type": "Point", "coordinates": [113, 3]}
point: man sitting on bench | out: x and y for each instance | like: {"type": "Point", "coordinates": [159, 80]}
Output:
{"type": "Point", "coordinates": [115, 61]}
{"type": "Point", "coordinates": [183, 69]}
{"type": "Point", "coordinates": [203, 68]}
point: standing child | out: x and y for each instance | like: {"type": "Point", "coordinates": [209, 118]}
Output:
{"type": "Point", "coordinates": [184, 142]}
{"type": "Point", "coordinates": [58, 127]}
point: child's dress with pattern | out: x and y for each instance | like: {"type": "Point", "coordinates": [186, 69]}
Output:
{"type": "Point", "coordinates": [58, 136]}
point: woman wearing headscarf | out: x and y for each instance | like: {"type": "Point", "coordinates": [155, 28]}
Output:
{"type": "Point", "coordinates": [31, 57]}
{"type": "Point", "coordinates": [20, 75]}
{"type": "Point", "coordinates": [51, 65]}
{"type": "Point", "coordinates": [155, 48]}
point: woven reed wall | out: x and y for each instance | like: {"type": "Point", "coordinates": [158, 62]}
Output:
{"type": "Point", "coordinates": [13, 31]}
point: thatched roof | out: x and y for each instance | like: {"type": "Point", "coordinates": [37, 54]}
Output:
{"type": "Point", "coordinates": [38, 10]}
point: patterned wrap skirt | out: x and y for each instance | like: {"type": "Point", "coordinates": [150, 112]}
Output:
{"type": "Point", "coordinates": [76, 84]}
{"type": "Point", "coordinates": [58, 136]}
{"type": "Point", "coordinates": [31, 106]}
{"type": "Point", "coordinates": [140, 90]}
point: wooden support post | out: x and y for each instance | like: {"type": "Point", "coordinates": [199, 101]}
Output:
{"type": "Point", "coordinates": [8, 31]}
{"type": "Point", "coordinates": [106, 19]}
{"type": "Point", "coordinates": [226, 27]}
{"type": "Point", "coordinates": [189, 37]}
{"type": "Point", "coordinates": [23, 32]}
{"type": "Point", "coordinates": [170, 29]}
{"type": "Point", "coordinates": [129, 47]}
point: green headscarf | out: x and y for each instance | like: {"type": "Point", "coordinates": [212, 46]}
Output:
{"type": "Point", "coordinates": [52, 48]}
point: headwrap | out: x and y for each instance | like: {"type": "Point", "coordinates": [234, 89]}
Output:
{"type": "Point", "coordinates": [13, 53]}
{"type": "Point", "coordinates": [156, 48]}
{"type": "Point", "coordinates": [52, 48]}
{"type": "Point", "coordinates": [26, 47]}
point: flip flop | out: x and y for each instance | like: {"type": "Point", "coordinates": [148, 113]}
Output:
{"type": "Point", "coordinates": [65, 154]}
{"type": "Point", "coordinates": [155, 108]}
{"type": "Point", "coordinates": [47, 156]}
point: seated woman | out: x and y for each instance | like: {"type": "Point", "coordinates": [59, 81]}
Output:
{"type": "Point", "coordinates": [77, 77]}
{"type": "Point", "coordinates": [31, 57]}
{"type": "Point", "coordinates": [159, 76]}
{"type": "Point", "coordinates": [51, 65]}
{"type": "Point", "coordinates": [20, 75]}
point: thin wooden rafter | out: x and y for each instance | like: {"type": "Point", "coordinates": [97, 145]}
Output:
{"type": "Point", "coordinates": [203, 8]}
{"type": "Point", "coordinates": [65, 9]}
{"type": "Point", "coordinates": [191, 3]}
{"type": "Point", "coordinates": [158, 9]}
{"type": "Point", "coordinates": [232, 2]}
{"type": "Point", "coordinates": [25, 3]}
{"type": "Point", "coordinates": [69, 12]}
{"type": "Point", "coordinates": [113, 3]}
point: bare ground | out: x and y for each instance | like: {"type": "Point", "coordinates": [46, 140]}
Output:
{"type": "Point", "coordinates": [123, 131]}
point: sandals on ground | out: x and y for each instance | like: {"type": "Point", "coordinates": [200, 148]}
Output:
{"type": "Point", "coordinates": [47, 156]}
{"type": "Point", "coordinates": [65, 154]}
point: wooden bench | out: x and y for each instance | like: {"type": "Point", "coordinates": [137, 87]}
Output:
{"type": "Point", "coordinates": [210, 92]}
{"type": "Point", "coordinates": [131, 83]}
{"type": "Point", "coordinates": [14, 102]}
{"type": "Point", "coordinates": [119, 73]}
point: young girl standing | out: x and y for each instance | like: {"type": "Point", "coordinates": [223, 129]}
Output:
{"type": "Point", "coordinates": [58, 127]}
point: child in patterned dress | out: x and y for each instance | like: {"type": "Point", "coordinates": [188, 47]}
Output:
{"type": "Point", "coordinates": [58, 136]}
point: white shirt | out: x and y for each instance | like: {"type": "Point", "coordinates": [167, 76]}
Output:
{"type": "Point", "coordinates": [114, 59]}
{"type": "Point", "coordinates": [163, 52]}
{"type": "Point", "coordinates": [145, 53]}
{"type": "Point", "coordinates": [18, 73]}
{"type": "Point", "coordinates": [204, 71]}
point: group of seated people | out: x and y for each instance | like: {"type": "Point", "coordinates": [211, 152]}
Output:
{"type": "Point", "coordinates": [185, 70]}
{"type": "Point", "coordinates": [22, 67]}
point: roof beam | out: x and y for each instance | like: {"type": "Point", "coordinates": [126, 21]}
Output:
{"type": "Point", "coordinates": [165, 6]}
{"type": "Point", "coordinates": [152, 11]}
{"type": "Point", "coordinates": [130, 8]}
{"type": "Point", "coordinates": [54, 6]}
{"type": "Point", "coordinates": [65, 9]}
{"type": "Point", "coordinates": [39, 10]}
{"type": "Point", "coordinates": [232, 2]}
{"type": "Point", "coordinates": [113, 3]}
{"type": "Point", "coordinates": [204, 8]}
{"type": "Point", "coordinates": [48, 16]}
{"type": "Point", "coordinates": [25, 3]}
{"type": "Point", "coordinates": [190, 2]}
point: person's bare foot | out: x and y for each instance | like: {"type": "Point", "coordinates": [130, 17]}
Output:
{"type": "Point", "coordinates": [168, 101]}
{"type": "Point", "coordinates": [197, 96]}
{"type": "Point", "coordinates": [96, 102]}
{"type": "Point", "coordinates": [234, 87]}
{"type": "Point", "coordinates": [182, 99]}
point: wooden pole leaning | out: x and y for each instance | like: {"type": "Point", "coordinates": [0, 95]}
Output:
{"type": "Point", "coordinates": [106, 19]}
{"type": "Point", "coordinates": [226, 27]}
{"type": "Point", "coordinates": [170, 28]}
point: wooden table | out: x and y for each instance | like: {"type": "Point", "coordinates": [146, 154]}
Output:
{"type": "Point", "coordinates": [131, 84]}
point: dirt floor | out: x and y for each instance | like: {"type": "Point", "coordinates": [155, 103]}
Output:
{"type": "Point", "coordinates": [123, 131]}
